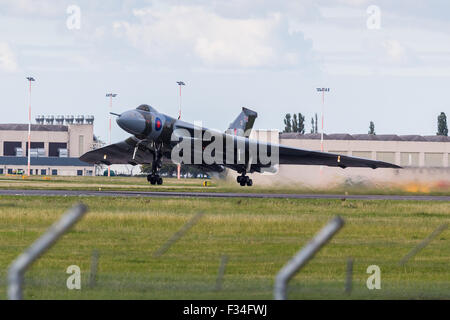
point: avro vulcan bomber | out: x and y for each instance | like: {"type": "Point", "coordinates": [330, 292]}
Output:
{"type": "Point", "coordinates": [157, 137]}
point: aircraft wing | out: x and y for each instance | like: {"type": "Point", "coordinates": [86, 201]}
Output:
{"type": "Point", "coordinates": [119, 153]}
{"type": "Point", "coordinates": [290, 155]}
{"type": "Point", "coordinates": [124, 153]}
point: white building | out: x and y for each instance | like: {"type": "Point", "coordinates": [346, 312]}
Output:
{"type": "Point", "coordinates": [423, 158]}
{"type": "Point", "coordinates": [54, 149]}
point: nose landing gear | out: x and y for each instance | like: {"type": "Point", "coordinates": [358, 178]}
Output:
{"type": "Point", "coordinates": [244, 180]}
{"type": "Point", "coordinates": [154, 177]}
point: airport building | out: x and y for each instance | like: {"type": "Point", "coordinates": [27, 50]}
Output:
{"type": "Point", "coordinates": [413, 151]}
{"type": "Point", "coordinates": [423, 158]}
{"type": "Point", "coordinates": [56, 145]}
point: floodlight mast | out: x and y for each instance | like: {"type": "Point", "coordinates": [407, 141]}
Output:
{"type": "Point", "coordinates": [180, 83]}
{"type": "Point", "coordinates": [323, 90]}
{"type": "Point", "coordinates": [30, 79]}
{"type": "Point", "coordinates": [110, 96]}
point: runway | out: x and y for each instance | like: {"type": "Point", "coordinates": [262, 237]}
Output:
{"type": "Point", "coordinates": [82, 193]}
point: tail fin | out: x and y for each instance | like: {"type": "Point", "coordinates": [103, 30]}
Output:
{"type": "Point", "coordinates": [243, 124]}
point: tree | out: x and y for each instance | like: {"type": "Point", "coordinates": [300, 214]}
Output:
{"type": "Point", "coordinates": [170, 170]}
{"type": "Point", "coordinates": [312, 125]}
{"type": "Point", "coordinates": [442, 125]}
{"type": "Point", "coordinates": [294, 123]}
{"type": "Point", "coordinates": [301, 123]}
{"type": "Point", "coordinates": [287, 123]}
{"type": "Point", "coordinates": [315, 125]}
{"type": "Point", "coordinates": [167, 168]}
{"type": "Point", "coordinates": [372, 128]}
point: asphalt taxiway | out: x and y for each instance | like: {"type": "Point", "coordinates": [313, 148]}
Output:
{"type": "Point", "coordinates": [155, 194]}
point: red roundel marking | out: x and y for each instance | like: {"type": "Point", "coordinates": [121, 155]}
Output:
{"type": "Point", "coordinates": [158, 124]}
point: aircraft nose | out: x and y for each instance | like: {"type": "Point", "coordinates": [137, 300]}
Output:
{"type": "Point", "coordinates": [132, 121]}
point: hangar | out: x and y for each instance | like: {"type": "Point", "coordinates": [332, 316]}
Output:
{"type": "Point", "coordinates": [412, 151]}
{"type": "Point", "coordinates": [54, 148]}
{"type": "Point", "coordinates": [425, 159]}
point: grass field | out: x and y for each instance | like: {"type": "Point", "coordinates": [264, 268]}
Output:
{"type": "Point", "coordinates": [137, 183]}
{"type": "Point", "coordinates": [257, 235]}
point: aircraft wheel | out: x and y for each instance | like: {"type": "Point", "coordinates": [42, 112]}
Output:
{"type": "Point", "coordinates": [238, 179]}
{"type": "Point", "coordinates": [242, 183]}
{"type": "Point", "coordinates": [152, 179]}
{"type": "Point", "coordinates": [159, 181]}
{"type": "Point", "coordinates": [249, 182]}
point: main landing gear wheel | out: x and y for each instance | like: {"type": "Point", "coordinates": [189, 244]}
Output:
{"type": "Point", "coordinates": [244, 180]}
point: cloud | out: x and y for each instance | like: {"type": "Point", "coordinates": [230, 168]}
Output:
{"type": "Point", "coordinates": [404, 45]}
{"type": "Point", "coordinates": [8, 61]}
{"type": "Point", "coordinates": [355, 2]}
{"type": "Point", "coordinates": [395, 51]}
{"type": "Point", "coordinates": [42, 8]}
{"type": "Point", "coordinates": [200, 35]}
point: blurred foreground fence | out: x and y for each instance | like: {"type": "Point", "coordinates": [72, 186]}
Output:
{"type": "Point", "coordinates": [303, 256]}
{"type": "Point", "coordinates": [25, 260]}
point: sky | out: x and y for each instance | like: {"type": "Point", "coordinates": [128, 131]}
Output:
{"type": "Point", "coordinates": [384, 61]}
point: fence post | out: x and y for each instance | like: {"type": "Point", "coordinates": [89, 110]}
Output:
{"type": "Point", "coordinates": [19, 266]}
{"type": "Point", "coordinates": [349, 276]}
{"type": "Point", "coordinates": [303, 256]}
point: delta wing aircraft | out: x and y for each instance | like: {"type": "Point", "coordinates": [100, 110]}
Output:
{"type": "Point", "coordinates": [156, 136]}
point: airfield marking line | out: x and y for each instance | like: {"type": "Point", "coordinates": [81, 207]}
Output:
{"type": "Point", "coordinates": [42, 192]}
{"type": "Point", "coordinates": [177, 235]}
{"type": "Point", "coordinates": [220, 275]}
{"type": "Point", "coordinates": [423, 244]}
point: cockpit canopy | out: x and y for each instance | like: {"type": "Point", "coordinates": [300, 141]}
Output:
{"type": "Point", "coordinates": [147, 108]}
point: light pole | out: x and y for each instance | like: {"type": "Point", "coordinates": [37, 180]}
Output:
{"type": "Point", "coordinates": [30, 79]}
{"type": "Point", "coordinates": [180, 83]}
{"type": "Point", "coordinates": [323, 90]}
{"type": "Point", "coordinates": [110, 96]}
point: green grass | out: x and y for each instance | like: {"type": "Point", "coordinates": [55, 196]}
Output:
{"type": "Point", "coordinates": [100, 183]}
{"type": "Point", "coordinates": [258, 235]}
